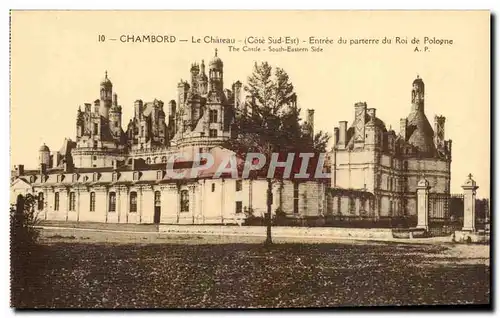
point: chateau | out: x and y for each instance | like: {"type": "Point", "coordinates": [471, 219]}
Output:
{"type": "Point", "coordinates": [117, 175]}
{"type": "Point", "coordinates": [108, 174]}
{"type": "Point", "coordinates": [375, 171]}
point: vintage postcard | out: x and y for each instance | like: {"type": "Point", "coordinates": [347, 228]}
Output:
{"type": "Point", "coordinates": [250, 159]}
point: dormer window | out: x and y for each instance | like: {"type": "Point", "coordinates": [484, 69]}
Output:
{"type": "Point", "coordinates": [32, 179]}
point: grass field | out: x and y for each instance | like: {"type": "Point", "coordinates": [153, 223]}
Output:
{"type": "Point", "coordinates": [199, 272]}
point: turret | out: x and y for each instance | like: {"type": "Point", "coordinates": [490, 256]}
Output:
{"type": "Point", "coordinates": [106, 96]}
{"type": "Point", "coordinates": [203, 82]}
{"type": "Point", "coordinates": [44, 156]}
{"type": "Point", "coordinates": [417, 95]}
{"type": "Point", "coordinates": [439, 130]}
{"type": "Point", "coordinates": [138, 109]}
{"type": "Point", "coordinates": [195, 70]}
{"type": "Point", "coordinates": [182, 92]}
{"type": "Point", "coordinates": [216, 73]}
{"type": "Point", "coordinates": [237, 94]}
{"type": "Point", "coordinates": [79, 123]}
{"type": "Point", "coordinates": [359, 124]}
{"type": "Point", "coordinates": [115, 120]}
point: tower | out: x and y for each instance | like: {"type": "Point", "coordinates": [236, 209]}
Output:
{"type": "Point", "coordinates": [203, 82]}
{"type": "Point", "coordinates": [106, 96]}
{"type": "Point", "coordinates": [439, 130]}
{"type": "Point", "coordinates": [195, 71]}
{"type": "Point", "coordinates": [44, 156]}
{"type": "Point", "coordinates": [115, 118]}
{"type": "Point", "coordinates": [216, 74]}
{"type": "Point", "coordinates": [417, 95]}
{"type": "Point", "coordinates": [80, 122]}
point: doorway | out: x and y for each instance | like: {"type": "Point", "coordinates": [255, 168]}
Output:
{"type": "Point", "coordinates": [157, 212]}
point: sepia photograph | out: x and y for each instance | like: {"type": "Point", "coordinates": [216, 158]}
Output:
{"type": "Point", "coordinates": [250, 159]}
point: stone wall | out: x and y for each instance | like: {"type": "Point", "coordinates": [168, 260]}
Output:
{"type": "Point", "coordinates": [280, 231]}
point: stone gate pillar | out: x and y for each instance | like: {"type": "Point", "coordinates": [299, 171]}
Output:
{"type": "Point", "coordinates": [423, 204]}
{"type": "Point", "coordinates": [470, 188]}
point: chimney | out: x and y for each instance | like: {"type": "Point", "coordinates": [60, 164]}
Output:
{"type": "Point", "coordinates": [310, 121]}
{"type": "Point", "coordinates": [67, 167]}
{"type": "Point", "coordinates": [97, 105]}
{"type": "Point", "coordinates": [237, 94]}
{"type": "Point", "coordinates": [342, 133]}
{"type": "Point", "coordinates": [43, 168]}
{"type": "Point", "coordinates": [138, 108]}
{"type": "Point", "coordinates": [336, 135]}
{"type": "Point", "coordinates": [371, 112]}
{"type": "Point", "coordinates": [403, 122]}
{"type": "Point", "coordinates": [19, 169]}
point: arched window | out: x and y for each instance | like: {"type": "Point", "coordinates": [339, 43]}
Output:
{"type": "Point", "coordinates": [112, 202]}
{"type": "Point", "coordinates": [164, 159]}
{"type": "Point", "coordinates": [148, 161]}
{"type": "Point", "coordinates": [56, 201]}
{"type": "Point", "coordinates": [92, 201]}
{"type": "Point", "coordinates": [157, 198]}
{"type": "Point", "coordinates": [72, 202]}
{"type": "Point", "coordinates": [40, 201]}
{"type": "Point", "coordinates": [133, 202]}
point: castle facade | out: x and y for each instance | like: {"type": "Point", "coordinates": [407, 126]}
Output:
{"type": "Point", "coordinates": [375, 170]}
{"type": "Point", "coordinates": [108, 174]}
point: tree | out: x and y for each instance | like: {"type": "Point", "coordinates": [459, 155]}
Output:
{"type": "Point", "coordinates": [269, 122]}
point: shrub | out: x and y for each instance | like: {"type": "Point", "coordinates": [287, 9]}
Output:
{"type": "Point", "coordinates": [23, 247]}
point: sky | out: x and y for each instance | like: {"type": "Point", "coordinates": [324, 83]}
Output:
{"type": "Point", "coordinates": [57, 64]}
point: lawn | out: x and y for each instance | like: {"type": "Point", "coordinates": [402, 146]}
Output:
{"type": "Point", "coordinates": [241, 275]}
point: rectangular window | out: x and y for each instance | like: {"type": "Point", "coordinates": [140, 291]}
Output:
{"type": "Point", "coordinates": [56, 201]}
{"type": "Point", "coordinates": [112, 202]}
{"type": "Point", "coordinates": [239, 185]}
{"type": "Point", "coordinates": [295, 198]}
{"type": "Point", "coordinates": [40, 201]}
{"type": "Point", "coordinates": [239, 207]}
{"type": "Point", "coordinates": [96, 128]}
{"type": "Point", "coordinates": [213, 116]}
{"type": "Point", "coordinates": [72, 202]}
{"type": "Point", "coordinates": [212, 133]}
{"type": "Point", "coordinates": [133, 202]}
{"type": "Point", "coordinates": [184, 201]}
{"type": "Point", "coordinates": [157, 198]}
{"type": "Point", "coordinates": [92, 201]}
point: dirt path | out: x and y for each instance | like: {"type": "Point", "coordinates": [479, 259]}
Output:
{"type": "Point", "coordinates": [449, 253]}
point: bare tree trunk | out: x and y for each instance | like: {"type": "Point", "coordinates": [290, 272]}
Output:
{"type": "Point", "coordinates": [269, 239]}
